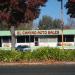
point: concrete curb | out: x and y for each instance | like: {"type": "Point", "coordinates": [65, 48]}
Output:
{"type": "Point", "coordinates": [69, 62]}
{"type": "Point", "coordinates": [40, 63]}
{"type": "Point", "coordinates": [13, 64]}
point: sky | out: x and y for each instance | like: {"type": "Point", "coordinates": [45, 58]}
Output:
{"type": "Point", "coordinates": [53, 9]}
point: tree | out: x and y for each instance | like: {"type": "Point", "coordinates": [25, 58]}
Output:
{"type": "Point", "coordinates": [21, 26]}
{"type": "Point", "coordinates": [57, 23]}
{"type": "Point", "coordinates": [15, 12]}
{"type": "Point", "coordinates": [70, 5]}
{"type": "Point", "coordinates": [45, 22]}
{"type": "Point", "coordinates": [48, 23]}
{"type": "Point", "coordinates": [71, 23]}
{"type": "Point", "coordinates": [3, 26]}
{"type": "Point", "coordinates": [25, 26]}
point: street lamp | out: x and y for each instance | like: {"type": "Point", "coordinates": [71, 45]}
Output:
{"type": "Point", "coordinates": [62, 22]}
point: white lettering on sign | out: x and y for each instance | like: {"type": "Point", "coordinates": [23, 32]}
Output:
{"type": "Point", "coordinates": [37, 32]}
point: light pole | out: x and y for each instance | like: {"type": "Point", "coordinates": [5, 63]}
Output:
{"type": "Point", "coordinates": [62, 22]}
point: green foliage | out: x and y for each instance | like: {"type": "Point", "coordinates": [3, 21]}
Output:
{"type": "Point", "coordinates": [48, 22]}
{"type": "Point", "coordinates": [70, 6]}
{"type": "Point", "coordinates": [43, 53]}
{"type": "Point", "coordinates": [9, 56]}
{"type": "Point", "coordinates": [25, 26]}
{"type": "Point", "coordinates": [69, 55]}
{"type": "Point", "coordinates": [27, 56]}
{"type": "Point", "coordinates": [40, 54]}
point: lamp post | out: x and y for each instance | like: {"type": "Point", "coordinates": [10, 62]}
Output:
{"type": "Point", "coordinates": [62, 22]}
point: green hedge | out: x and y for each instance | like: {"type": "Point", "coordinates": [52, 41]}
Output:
{"type": "Point", "coordinates": [9, 56]}
{"type": "Point", "coordinates": [40, 54]}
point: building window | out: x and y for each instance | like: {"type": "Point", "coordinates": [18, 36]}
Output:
{"type": "Point", "coordinates": [20, 39]}
{"type": "Point", "coordinates": [66, 38]}
{"type": "Point", "coordinates": [27, 38]}
{"type": "Point", "coordinates": [69, 38]}
{"type": "Point", "coordinates": [6, 39]}
{"type": "Point", "coordinates": [59, 38]}
{"type": "Point", "coordinates": [23, 39]}
{"type": "Point", "coordinates": [43, 39]}
{"type": "Point", "coordinates": [31, 38]}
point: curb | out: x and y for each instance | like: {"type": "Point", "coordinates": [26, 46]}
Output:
{"type": "Point", "coordinates": [20, 64]}
{"type": "Point", "coordinates": [69, 62]}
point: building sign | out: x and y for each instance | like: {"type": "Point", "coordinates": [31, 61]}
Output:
{"type": "Point", "coordinates": [37, 32]}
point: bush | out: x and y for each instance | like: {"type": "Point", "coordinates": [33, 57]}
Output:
{"type": "Point", "coordinates": [57, 54]}
{"type": "Point", "coordinates": [26, 56]}
{"type": "Point", "coordinates": [69, 55]}
{"type": "Point", "coordinates": [9, 56]}
{"type": "Point", "coordinates": [40, 54]}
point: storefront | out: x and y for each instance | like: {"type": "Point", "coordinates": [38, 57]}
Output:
{"type": "Point", "coordinates": [34, 38]}
{"type": "Point", "coordinates": [37, 37]}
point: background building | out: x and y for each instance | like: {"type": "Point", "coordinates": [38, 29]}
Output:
{"type": "Point", "coordinates": [39, 38]}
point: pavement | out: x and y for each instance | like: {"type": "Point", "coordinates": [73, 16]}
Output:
{"type": "Point", "coordinates": [57, 69]}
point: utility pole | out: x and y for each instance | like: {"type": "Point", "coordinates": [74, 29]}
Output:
{"type": "Point", "coordinates": [62, 22]}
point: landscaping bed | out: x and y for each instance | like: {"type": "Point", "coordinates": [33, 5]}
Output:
{"type": "Point", "coordinates": [41, 55]}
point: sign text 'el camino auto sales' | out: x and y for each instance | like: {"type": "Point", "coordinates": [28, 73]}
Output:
{"type": "Point", "coordinates": [37, 32]}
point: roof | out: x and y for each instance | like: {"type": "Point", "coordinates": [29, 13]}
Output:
{"type": "Point", "coordinates": [5, 33]}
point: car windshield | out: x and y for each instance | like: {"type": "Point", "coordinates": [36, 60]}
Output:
{"type": "Point", "coordinates": [18, 46]}
{"type": "Point", "coordinates": [23, 46]}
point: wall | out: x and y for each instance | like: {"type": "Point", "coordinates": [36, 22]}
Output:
{"type": "Point", "coordinates": [50, 41]}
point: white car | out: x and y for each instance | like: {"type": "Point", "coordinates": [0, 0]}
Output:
{"type": "Point", "coordinates": [23, 48]}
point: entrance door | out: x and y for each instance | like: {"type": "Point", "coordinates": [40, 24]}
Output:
{"type": "Point", "coordinates": [36, 41]}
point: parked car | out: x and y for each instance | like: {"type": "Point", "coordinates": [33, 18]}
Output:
{"type": "Point", "coordinates": [23, 48]}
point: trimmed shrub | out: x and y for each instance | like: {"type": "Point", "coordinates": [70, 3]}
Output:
{"type": "Point", "coordinates": [40, 54]}
{"type": "Point", "coordinates": [9, 56]}
{"type": "Point", "coordinates": [26, 56]}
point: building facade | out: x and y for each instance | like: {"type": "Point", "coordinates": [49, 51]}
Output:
{"type": "Point", "coordinates": [39, 38]}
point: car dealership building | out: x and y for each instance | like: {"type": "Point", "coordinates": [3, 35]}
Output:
{"type": "Point", "coordinates": [39, 38]}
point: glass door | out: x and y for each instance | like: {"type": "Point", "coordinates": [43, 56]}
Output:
{"type": "Point", "coordinates": [36, 41]}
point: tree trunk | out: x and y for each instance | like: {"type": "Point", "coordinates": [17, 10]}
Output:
{"type": "Point", "coordinates": [13, 38]}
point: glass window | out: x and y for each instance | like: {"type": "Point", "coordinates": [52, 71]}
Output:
{"type": "Point", "coordinates": [20, 39]}
{"type": "Point", "coordinates": [43, 40]}
{"type": "Point", "coordinates": [66, 38]}
{"type": "Point", "coordinates": [59, 38]}
{"type": "Point", "coordinates": [69, 38]}
{"type": "Point", "coordinates": [31, 38]}
{"type": "Point", "coordinates": [23, 39]}
{"type": "Point", "coordinates": [27, 38]}
{"type": "Point", "coordinates": [6, 39]}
